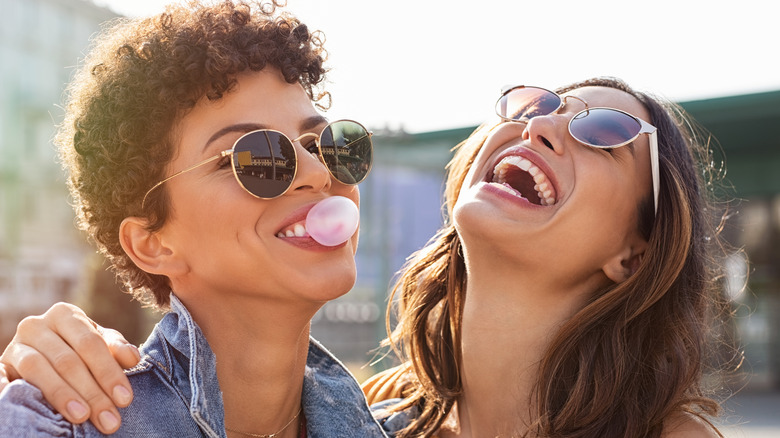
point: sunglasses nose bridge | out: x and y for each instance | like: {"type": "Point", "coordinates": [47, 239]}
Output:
{"type": "Point", "coordinates": [298, 142]}
{"type": "Point", "coordinates": [565, 101]}
{"type": "Point", "coordinates": [300, 138]}
{"type": "Point", "coordinates": [312, 173]}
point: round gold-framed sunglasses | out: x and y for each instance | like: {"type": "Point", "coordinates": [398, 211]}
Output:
{"type": "Point", "coordinates": [265, 161]}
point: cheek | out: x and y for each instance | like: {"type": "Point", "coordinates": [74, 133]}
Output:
{"type": "Point", "coordinates": [471, 179]}
{"type": "Point", "coordinates": [480, 162]}
{"type": "Point", "coordinates": [613, 219]}
{"type": "Point", "coordinates": [353, 193]}
{"type": "Point", "coordinates": [347, 191]}
{"type": "Point", "coordinates": [608, 198]}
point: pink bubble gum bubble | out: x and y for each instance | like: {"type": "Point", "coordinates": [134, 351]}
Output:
{"type": "Point", "coordinates": [333, 221]}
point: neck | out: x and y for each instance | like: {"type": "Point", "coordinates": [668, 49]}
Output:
{"type": "Point", "coordinates": [261, 349]}
{"type": "Point", "coordinates": [510, 317]}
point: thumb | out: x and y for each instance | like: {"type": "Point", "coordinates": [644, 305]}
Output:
{"type": "Point", "coordinates": [125, 353]}
{"type": "Point", "coordinates": [7, 373]}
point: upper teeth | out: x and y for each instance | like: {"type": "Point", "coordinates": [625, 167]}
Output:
{"type": "Point", "coordinates": [543, 187]}
{"type": "Point", "coordinates": [297, 230]}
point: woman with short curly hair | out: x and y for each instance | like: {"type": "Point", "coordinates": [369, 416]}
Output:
{"type": "Point", "coordinates": [195, 153]}
{"type": "Point", "coordinates": [139, 79]}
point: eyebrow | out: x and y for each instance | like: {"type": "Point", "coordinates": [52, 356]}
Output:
{"type": "Point", "coordinates": [306, 125]}
{"type": "Point", "coordinates": [312, 122]}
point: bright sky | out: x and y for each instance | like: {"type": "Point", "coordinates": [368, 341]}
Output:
{"type": "Point", "coordinates": [427, 65]}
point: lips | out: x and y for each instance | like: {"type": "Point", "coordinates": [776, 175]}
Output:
{"type": "Point", "coordinates": [525, 175]}
{"type": "Point", "coordinates": [293, 231]}
{"type": "Point", "coordinates": [294, 225]}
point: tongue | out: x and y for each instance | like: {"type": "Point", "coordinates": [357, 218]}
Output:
{"type": "Point", "coordinates": [523, 182]}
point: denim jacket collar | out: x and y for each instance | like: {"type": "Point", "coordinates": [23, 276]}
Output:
{"type": "Point", "coordinates": [332, 400]}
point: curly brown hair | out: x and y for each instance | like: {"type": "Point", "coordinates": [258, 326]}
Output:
{"type": "Point", "coordinates": [634, 356]}
{"type": "Point", "coordinates": [138, 80]}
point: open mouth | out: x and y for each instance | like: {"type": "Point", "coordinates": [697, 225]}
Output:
{"type": "Point", "coordinates": [525, 179]}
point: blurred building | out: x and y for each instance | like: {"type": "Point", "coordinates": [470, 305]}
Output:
{"type": "Point", "coordinates": [41, 253]}
{"type": "Point", "coordinates": [744, 127]}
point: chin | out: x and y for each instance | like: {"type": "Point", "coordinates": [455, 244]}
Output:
{"type": "Point", "coordinates": [328, 286]}
{"type": "Point", "coordinates": [329, 293]}
{"type": "Point", "coordinates": [473, 217]}
{"type": "Point", "coordinates": [486, 233]}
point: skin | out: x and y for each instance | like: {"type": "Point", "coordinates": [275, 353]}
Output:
{"type": "Point", "coordinates": [530, 268]}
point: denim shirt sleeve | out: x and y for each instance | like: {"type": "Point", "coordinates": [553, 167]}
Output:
{"type": "Point", "coordinates": [25, 413]}
{"type": "Point", "coordinates": [392, 422]}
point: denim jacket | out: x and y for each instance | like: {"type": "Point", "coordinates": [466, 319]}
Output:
{"type": "Point", "coordinates": [176, 393]}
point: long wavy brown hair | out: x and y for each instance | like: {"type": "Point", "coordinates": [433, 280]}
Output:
{"type": "Point", "coordinates": [140, 77]}
{"type": "Point", "coordinates": [634, 355]}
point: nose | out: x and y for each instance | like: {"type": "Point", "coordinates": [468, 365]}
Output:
{"type": "Point", "coordinates": [312, 175]}
{"type": "Point", "coordinates": [550, 131]}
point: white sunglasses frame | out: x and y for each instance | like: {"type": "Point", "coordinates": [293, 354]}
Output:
{"type": "Point", "coordinates": [644, 128]}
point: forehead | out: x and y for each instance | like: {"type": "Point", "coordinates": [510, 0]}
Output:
{"type": "Point", "coordinates": [262, 98]}
{"type": "Point", "coordinates": [611, 97]}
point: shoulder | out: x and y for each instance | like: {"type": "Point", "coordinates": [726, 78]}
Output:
{"type": "Point", "coordinates": [686, 425]}
{"type": "Point", "coordinates": [388, 384]}
{"type": "Point", "coordinates": [24, 412]}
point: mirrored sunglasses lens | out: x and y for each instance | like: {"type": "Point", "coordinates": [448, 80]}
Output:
{"type": "Point", "coordinates": [347, 150]}
{"type": "Point", "coordinates": [527, 103]}
{"type": "Point", "coordinates": [264, 162]}
{"type": "Point", "coordinates": [602, 127]}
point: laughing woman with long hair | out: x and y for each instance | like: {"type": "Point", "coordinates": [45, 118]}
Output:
{"type": "Point", "coordinates": [572, 291]}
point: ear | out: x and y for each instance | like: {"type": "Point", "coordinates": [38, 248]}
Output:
{"type": "Point", "coordinates": [623, 265]}
{"type": "Point", "coordinates": [147, 249]}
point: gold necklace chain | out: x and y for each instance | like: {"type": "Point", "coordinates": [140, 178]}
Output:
{"type": "Point", "coordinates": [271, 435]}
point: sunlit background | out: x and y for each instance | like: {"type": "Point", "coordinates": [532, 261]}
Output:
{"type": "Point", "coordinates": [438, 64]}
{"type": "Point", "coordinates": [422, 75]}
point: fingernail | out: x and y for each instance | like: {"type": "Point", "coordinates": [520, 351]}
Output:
{"type": "Point", "coordinates": [76, 410]}
{"type": "Point", "coordinates": [122, 395]}
{"type": "Point", "coordinates": [108, 420]}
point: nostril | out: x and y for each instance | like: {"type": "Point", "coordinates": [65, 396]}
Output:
{"type": "Point", "coordinates": [546, 142]}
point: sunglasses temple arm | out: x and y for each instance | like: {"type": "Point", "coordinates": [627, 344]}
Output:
{"type": "Point", "coordinates": [194, 166]}
{"type": "Point", "coordinates": [654, 163]}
